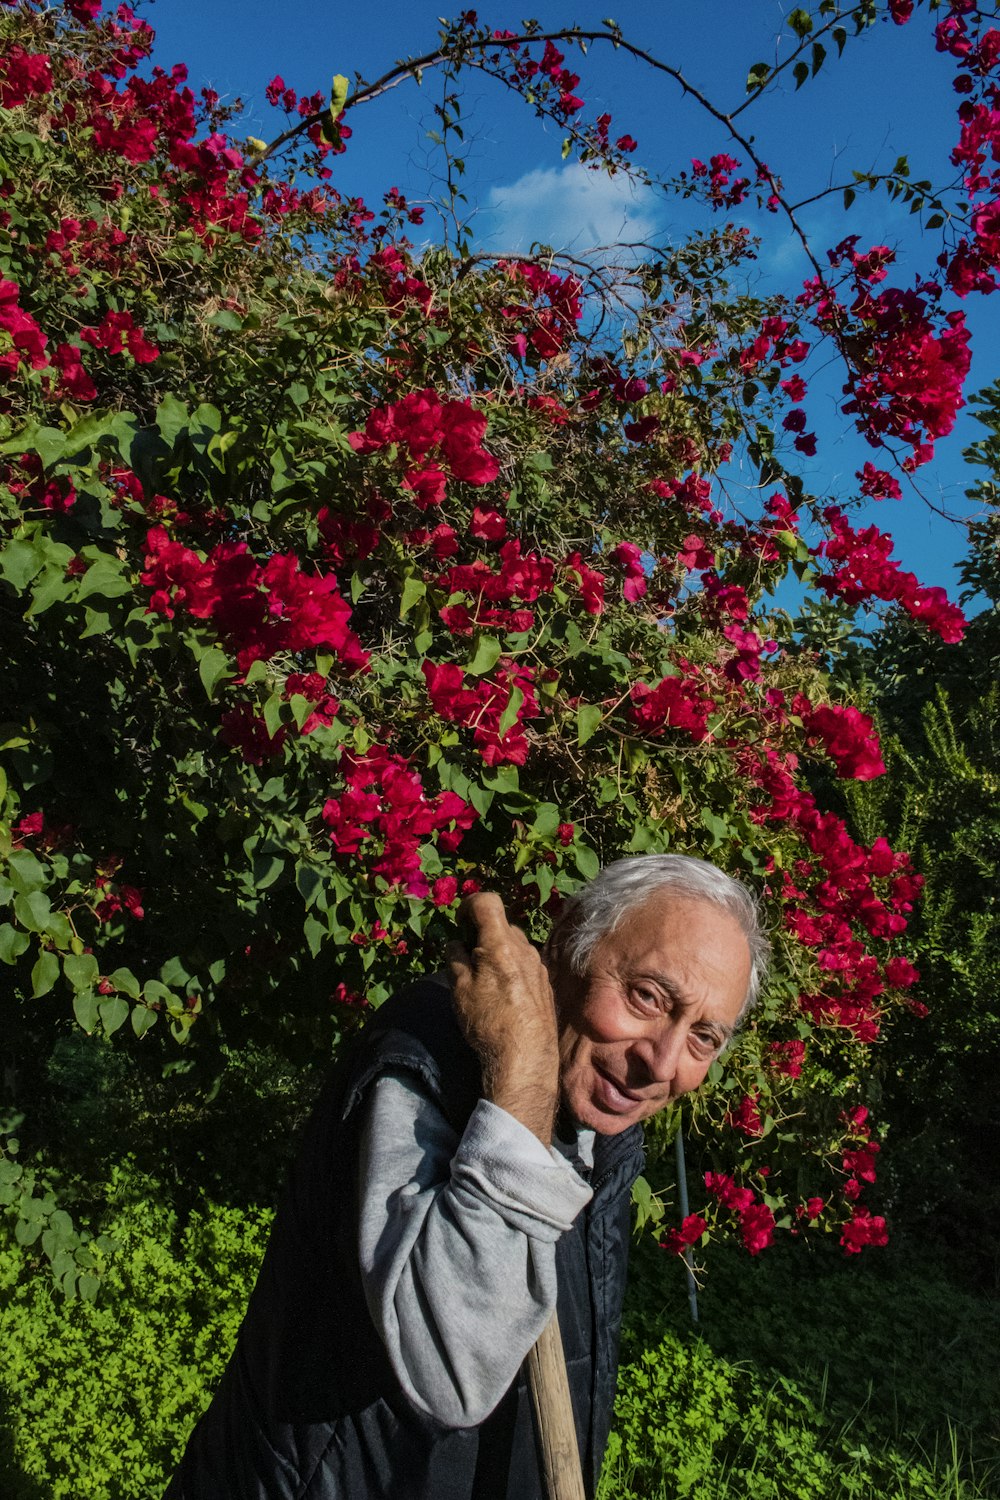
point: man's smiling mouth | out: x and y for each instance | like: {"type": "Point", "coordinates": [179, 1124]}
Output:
{"type": "Point", "coordinates": [614, 1096]}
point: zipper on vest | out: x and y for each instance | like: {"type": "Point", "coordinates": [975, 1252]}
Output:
{"type": "Point", "coordinates": [634, 1153]}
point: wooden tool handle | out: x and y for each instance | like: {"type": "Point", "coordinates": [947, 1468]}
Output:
{"type": "Point", "coordinates": [554, 1409]}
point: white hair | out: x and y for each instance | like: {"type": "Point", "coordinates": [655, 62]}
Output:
{"type": "Point", "coordinates": [619, 888]}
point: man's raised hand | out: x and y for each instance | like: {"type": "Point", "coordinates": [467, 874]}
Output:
{"type": "Point", "coordinates": [503, 1001]}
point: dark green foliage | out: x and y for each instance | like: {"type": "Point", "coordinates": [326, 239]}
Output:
{"type": "Point", "coordinates": [939, 708]}
{"type": "Point", "coordinates": [807, 1376]}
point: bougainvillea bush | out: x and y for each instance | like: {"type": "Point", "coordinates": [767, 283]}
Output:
{"type": "Point", "coordinates": [339, 580]}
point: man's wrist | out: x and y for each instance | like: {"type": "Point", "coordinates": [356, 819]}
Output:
{"type": "Point", "coordinates": [532, 1100]}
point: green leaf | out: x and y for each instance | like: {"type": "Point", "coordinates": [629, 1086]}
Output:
{"type": "Point", "coordinates": [219, 446]}
{"type": "Point", "coordinates": [45, 973]}
{"type": "Point", "coordinates": [125, 981]}
{"type": "Point", "coordinates": [588, 717]}
{"type": "Point", "coordinates": [85, 1010]}
{"type": "Point", "coordinates": [546, 820]}
{"type": "Point", "coordinates": [19, 562]}
{"type": "Point", "coordinates": [309, 883]}
{"type": "Point", "coordinates": [718, 827]}
{"type": "Point", "coordinates": [49, 588]}
{"type": "Point", "coordinates": [47, 442]}
{"type": "Point", "coordinates": [172, 419]}
{"type": "Point", "coordinates": [481, 798]}
{"type": "Point", "coordinates": [26, 1231]}
{"type": "Point", "coordinates": [266, 869]}
{"type": "Point", "coordinates": [272, 714]}
{"type": "Point", "coordinates": [142, 1019]}
{"type": "Point", "coordinates": [800, 73]}
{"type": "Point", "coordinates": [26, 872]}
{"type": "Point", "coordinates": [32, 910]}
{"type": "Point", "coordinates": [509, 716]}
{"type": "Point", "coordinates": [212, 667]}
{"type": "Point", "coordinates": [501, 779]}
{"type": "Point", "coordinates": [414, 589]}
{"type": "Point", "coordinates": [338, 96]}
{"type": "Point", "coordinates": [316, 934]}
{"type": "Point", "coordinates": [301, 707]}
{"type": "Point", "coordinates": [174, 971]}
{"type": "Point", "coordinates": [81, 969]}
{"type": "Point", "coordinates": [98, 622]}
{"type": "Point", "coordinates": [818, 57]}
{"type": "Point", "coordinates": [758, 76]}
{"type": "Point", "coordinates": [587, 861]}
{"type": "Point", "coordinates": [205, 420]}
{"type": "Point", "coordinates": [12, 943]}
{"type": "Point", "coordinates": [90, 429]}
{"type": "Point", "coordinates": [225, 318]}
{"type": "Point", "coordinates": [106, 577]}
{"type": "Point", "coordinates": [800, 22]}
{"type": "Point", "coordinates": [487, 654]}
{"type": "Point", "coordinates": [155, 992]}
{"type": "Point", "coordinates": [113, 1012]}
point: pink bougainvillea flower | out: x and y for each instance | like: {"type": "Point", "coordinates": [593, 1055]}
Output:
{"type": "Point", "coordinates": [676, 1241]}
{"type": "Point", "coordinates": [849, 738]}
{"type": "Point", "coordinates": [863, 1228]}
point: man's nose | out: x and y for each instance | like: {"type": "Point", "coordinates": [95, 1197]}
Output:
{"type": "Point", "coordinates": [660, 1053]}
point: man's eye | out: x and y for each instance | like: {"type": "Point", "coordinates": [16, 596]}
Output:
{"type": "Point", "coordinates": [648, 999]}
{"type": "Point", "coordinates": [705, 1041]}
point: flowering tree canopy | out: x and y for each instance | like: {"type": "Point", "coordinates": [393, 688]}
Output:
{"type": "Point", "coordinates": [340, 579]}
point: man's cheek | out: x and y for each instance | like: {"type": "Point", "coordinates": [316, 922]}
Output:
{"type": "Point", "coordinates": [605, 1024]}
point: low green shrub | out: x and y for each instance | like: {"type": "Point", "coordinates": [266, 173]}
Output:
{"type": "Point", "coordinates": [691, 1425]}
{"type": "Point", "coordinates": [808, 1376]}
{"type": "Point", "coordinates": [100, 1398]}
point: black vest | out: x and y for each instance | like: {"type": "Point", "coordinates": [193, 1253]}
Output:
{"type": "Point", "coordinates": [308, 1407]}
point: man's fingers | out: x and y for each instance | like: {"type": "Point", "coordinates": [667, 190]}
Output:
{"type": "Point", "coordinates": [459, 961]}
{"type": "Point", "coordinates": [482, 914]}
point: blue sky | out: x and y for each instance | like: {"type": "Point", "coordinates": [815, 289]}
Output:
{"type": "Point", "coordinates": [890, 94]}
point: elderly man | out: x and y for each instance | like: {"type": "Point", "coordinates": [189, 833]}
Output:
{"type": "Point", "coordinates": [467, 1171]}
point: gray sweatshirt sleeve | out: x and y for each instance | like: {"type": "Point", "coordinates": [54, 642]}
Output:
{"type": "Point", "coordinates": [457, 1245]}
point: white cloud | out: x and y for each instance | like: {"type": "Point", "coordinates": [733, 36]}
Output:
{"type": "Point", "coordinates": [569, 208]}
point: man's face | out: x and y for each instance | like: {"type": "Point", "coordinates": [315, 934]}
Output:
{"type": "Point", "coordinates": [660, 1000]}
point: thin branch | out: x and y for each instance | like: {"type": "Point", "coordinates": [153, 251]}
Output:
{"type": "Point", "coordinates": [462, 52]}
{"type": "Point", "coordinates": [473, 52]}
{"type": "Point", "coordinates": [793, 57]}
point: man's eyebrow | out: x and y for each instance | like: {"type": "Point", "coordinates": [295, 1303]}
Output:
{"type": "Point", "coordinates": [669, 985]}
{"type": "Point", "coordinates": [675, 992]}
